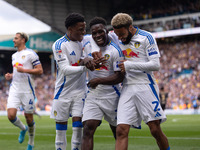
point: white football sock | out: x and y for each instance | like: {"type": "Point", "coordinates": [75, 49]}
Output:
{"type": "Point", "coordinates": [17, 122]}
{"type": "Point", "coordinates": [31, 131]}
{"type": "Point", "coordinates": [76, 138]}
{"type": "Point", "coordinates": [61, 140]}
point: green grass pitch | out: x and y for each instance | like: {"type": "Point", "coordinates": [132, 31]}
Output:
{"type": "Point", "coordinates": [183, 132]}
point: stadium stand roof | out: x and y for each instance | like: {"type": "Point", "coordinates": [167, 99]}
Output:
{"type": "Point", "coordinates": [54, 12]}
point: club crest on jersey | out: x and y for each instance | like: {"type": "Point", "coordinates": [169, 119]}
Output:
{"type": "Point", "coordinates": [107, 56]}
{"type": "Point", "coordinates": [23, 56]}
{"type": "Point", "coordinates": [137, 44]}
{"type": "Point", "coordinates": [55, 113]}
{"type": "Point", "coordinates": [129, 53]}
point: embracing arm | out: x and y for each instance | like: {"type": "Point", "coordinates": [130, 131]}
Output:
{"type": "Point", "coordinates": [152, 65]}
{"type": "Point", "coordinates": [67, 69]}
{"type": "Point", "coordinates": [113, 79]}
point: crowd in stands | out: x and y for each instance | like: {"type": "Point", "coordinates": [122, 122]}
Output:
{"type": "Point", "coordinates": [173, 24]}
{"type": "Point", "coordinates": [164, 8]}
{"type": "Point", "coordinates": [179, 74]}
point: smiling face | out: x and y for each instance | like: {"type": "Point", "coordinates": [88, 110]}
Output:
{"type": "Point", "coordinates": [99, 34]}
{"type": "Point", "coordinates": [77, 31]}
{"type": "Point", "coordinates": [123, 34]}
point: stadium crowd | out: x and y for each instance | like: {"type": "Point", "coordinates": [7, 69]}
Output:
{"type": "Point", "coordinates": [179, 74]}
{"type": "Point", "coordinates": [165, 8]}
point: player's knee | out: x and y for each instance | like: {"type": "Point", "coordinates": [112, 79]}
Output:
{"type": "Point", "coordinates": [155, 132]}
{"type": "Point", "coordinates": [122, 131]}
{"type": "Point", "coordinates": [29, 120]}
{"type": "Point", "coordinates": [88, 130]}
{"type": "Point", "coordinates": [12, 117]}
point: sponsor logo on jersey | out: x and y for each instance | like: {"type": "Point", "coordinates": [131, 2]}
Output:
{"type": "Point", "coordinates": [158, 114]}
{"type": "Point", "coordinates": [129, 53]}
{"type": "Point", "coordinates": [75, 64]}
{"type": "Point", "coordinates": [61, 59]}
{"type": "Point", "coordinates": [23, 56]}
{"type": "Point", "coordinates": [102, 68]}
{"type": "Point", "coordinates": [17, 64]}
{"type": "Point", "coordinates": [31, 108]}
{"type": "Point", "coordinates": [73, 53]}
{"type": "Point", "coordinates": [152, 51]}
{"type": "Point", "coordinates": [137, 44]}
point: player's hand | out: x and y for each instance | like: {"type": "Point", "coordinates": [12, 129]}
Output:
{"type": "Point", "coordinates": [121, 66]}
{"type": "Point", "coordinates": [96, 55]}
{"type": "Point", "coordinates": [99, 62]}
{"type": "Point", "coordinates": [93, 83]}
{"type": "Point", "coordinates": [89, 63]}
{"type": "Point", "coordinates": [20, 69]}
{"type": "Point", "coordinates": [8, 76]}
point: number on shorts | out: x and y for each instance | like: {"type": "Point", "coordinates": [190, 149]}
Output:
{"type": "Point", "coordinates": [156, 107]}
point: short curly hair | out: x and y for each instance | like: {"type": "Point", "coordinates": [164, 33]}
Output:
{"type": "Point", "coordinates": [72, 19]}
{"type": "Point", "coordinates": [97, 20]}
{"type": "Point", "coordinates": [121, 20]}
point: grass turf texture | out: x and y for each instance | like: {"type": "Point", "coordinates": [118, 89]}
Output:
{"type": "Point", "coordinates": [183, 132]}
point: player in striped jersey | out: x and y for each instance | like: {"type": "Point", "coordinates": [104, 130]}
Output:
{"type": "Point", "coordinates": [26, 64]}
{"type": "Point", "coordinates": [104, 92]}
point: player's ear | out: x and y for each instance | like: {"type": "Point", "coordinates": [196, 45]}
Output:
{"type": "Point", "coordinates": [130, 28]}
{"type": "Point", "coordinates": [69, 28]}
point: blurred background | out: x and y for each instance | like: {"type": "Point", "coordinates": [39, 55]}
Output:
{"type": "Point", "coordinates": [174, 23]}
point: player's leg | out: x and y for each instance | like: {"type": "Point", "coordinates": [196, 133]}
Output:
{"type": "Point", "coordinates": [12, 104]}
{"type": "Point", "coordinates": [61, 140]}
{"type": "Point", "coordinates": [113, 128]}
{"type": "Point", "coordinates": [157, 133]}
{"type": "Point", "coordinates": [76, 110]}
{"type": "Point", "coordinates": [28, 105]}
{"type": "Point", "coordinates": [150, 110]}
{"type": "Point", "coordinates": [60, 113]}
{"type": "Point", "coordinates": [127, 115]}
{"type": "Point", "coordinates": [14, 119]}
{"type": "Point", "coordinates": [109, 108]}
{"type": "Point", "coordinates": [77, 129]}
{"type": "Point", "coordinates": [88, 134]}
{"type": "Point", "coordinates": [122, 137]}
{"type": "Point", "coordinates": [31, 130]}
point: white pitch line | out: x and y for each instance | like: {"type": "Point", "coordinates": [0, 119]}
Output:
{"type": "Point", "coordinates": [109, 136]}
